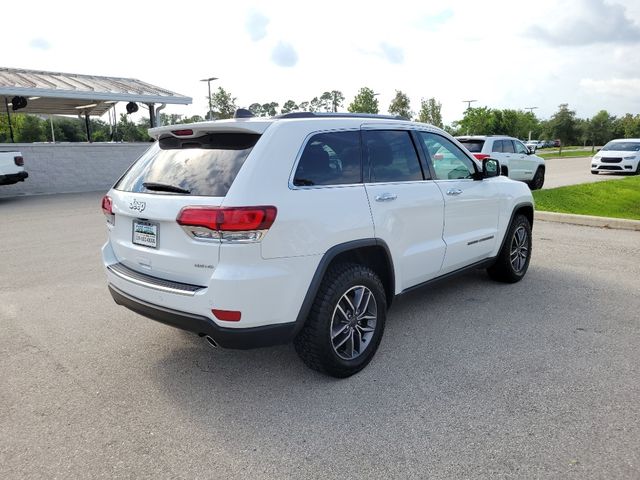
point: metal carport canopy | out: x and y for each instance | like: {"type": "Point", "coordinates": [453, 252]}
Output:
{"type": "Point", "coordinates": [72, 94]}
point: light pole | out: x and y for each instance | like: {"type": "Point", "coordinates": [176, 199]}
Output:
{"type": "Point", "coordinates": [208, 80]}
{"type": "Point", "coordinates": [469, 102]}
{"type": "Point", "coordinates": [531, 109]}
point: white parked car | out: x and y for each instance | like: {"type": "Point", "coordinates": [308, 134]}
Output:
{"type": "Point", "coordinates": [11, 168]}
{"type": "Point", "coordinates": [516, 160]}
{"type": "Point", "coordinates": [621, 155]}
{"type": "Point", "coordinates": [258, 231]}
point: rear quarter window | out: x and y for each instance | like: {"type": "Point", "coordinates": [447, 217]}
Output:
{"type": "Point", "coordinates": [202, 166]}
{"type": "Point", "coordinates": [330, 158]}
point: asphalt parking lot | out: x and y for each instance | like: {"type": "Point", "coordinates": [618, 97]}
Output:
{"type": "Point", "coordinates": [473, 379]}
{"type": "Point", "coordinates": [561, 172]}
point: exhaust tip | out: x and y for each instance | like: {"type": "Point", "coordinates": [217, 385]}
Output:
{"type": "Point", "coordinates": [211, 341]}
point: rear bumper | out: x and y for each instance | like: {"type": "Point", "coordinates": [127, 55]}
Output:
{"type": "Point", "coordinates": [13, 178]}
{"type": "Point", "coordinates": [236, 338]}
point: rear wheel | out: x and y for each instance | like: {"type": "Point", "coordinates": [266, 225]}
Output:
{"type": "Point", "coordinates": [346, 322]}
{"type": "Point", "coordinates": [538, 179]}
{"type": "Point", "coordinates": [513, 260]}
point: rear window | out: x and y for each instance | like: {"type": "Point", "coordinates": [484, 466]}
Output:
{"type": "Point", "coordinates": [201, 166]}
{"type": "Point", "coordinates": [474, 146]}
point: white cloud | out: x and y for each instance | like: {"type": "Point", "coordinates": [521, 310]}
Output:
{"type": "Point", "coordinates": [40, 43]}
{"type": "Point", "coordinates": [626, 87]}
{"type": "Point", "coordinates": [284, 55]}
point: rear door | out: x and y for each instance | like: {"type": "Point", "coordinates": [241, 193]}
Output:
{"type": "Point", "coordinates": [407, 206]}
{"type": "Point", "coordinates": [172, 174]}
{"type": "Point", "coordinates": [471, 206]}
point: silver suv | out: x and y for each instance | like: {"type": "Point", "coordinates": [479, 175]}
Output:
{"type": "Point", "coordinates": [516, 160]}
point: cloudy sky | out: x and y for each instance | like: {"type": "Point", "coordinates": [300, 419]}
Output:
{"type": "Point", "coordinates": [505, 54]}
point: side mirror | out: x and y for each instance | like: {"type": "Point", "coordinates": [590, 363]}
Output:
{"type": "Point", "coordinates": [490, 168]}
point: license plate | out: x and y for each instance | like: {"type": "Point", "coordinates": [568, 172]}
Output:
{"type": "Point", "coordinates": [145, 233]}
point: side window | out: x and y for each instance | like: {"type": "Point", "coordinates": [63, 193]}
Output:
{"type": "Point", "coordinates": [331, 158]}
{"type": "Point", "coordinates": [448, 160]}
{"type": "Point", "coordinates": [520, 148]}
{"type": "Point", "coordinates": [392, 156]}
{"type": "Point", "coordinates": [507, 146]}
{"type": "Point", "coordinates": [497, 146]}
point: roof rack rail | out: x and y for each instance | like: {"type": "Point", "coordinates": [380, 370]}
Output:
{"type": "Point", "coordinates": [338, 115]}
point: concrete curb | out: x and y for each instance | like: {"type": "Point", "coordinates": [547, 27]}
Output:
{"type": "Point", "coordinates": [589, 220]}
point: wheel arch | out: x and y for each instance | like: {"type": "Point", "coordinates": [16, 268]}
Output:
{"type": "Point", "coordinates": [371, 252]}
{"type": "Point", "coordinates": [525, 208]}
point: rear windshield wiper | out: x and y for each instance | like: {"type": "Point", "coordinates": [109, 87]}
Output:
{"type": "Point", "coordinates": [164, 187]}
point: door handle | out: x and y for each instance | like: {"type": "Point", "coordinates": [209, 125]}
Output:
{"type": "Point", "coordinates": [454, 191]}
{"type": "Point", "coordinates": [386, 197]}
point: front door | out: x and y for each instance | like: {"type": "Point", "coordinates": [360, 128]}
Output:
{"type": "Point", "coordinates": [471, 206]}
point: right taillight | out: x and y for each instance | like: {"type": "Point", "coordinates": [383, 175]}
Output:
{"type": "Point", "coordinates": [107, 209]}
{"type": "Point", "coordinates": [481, 156]}
{"type": "Point", "coordinates": [18, 160]}
{"type": "Point", "coordinates": [229, 224]}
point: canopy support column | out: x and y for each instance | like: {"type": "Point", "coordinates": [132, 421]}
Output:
{"type": "Point", "coordinates": [6, 104]}
{"type": "Point", "coordinates": [87, 125]}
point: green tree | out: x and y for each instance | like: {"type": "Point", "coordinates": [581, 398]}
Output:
{"type": "Point", "coordinates": [563, 125]}
{"type": "Point", "coordinates": [304, 107]}
{"type": "Point", "coordinates": [337, 100]}
{"type": "Point", "coordinates": [315, 105]}
{"type": "Point", "coordinates": [476, 121]}
{"type": "Point", "coordinates": [256, 109]}
{"type": "Point", "coordinates": [628, 126]}
{"type": "Point", "coordinates": [270, 109]}
{"type": "Point", "coordinates": [31, 130]}
{"type": "Point", "coordinates": [601, 128]}
{"type": "Point", "coordinates": [289, 106]}
{"type": "Point", "coordinates": [401, 105]}
{"type": "Point", "coordinates": [223, 104]}
{"type": "Point", "coordinates": [326, 100]}
{"type": "Point", "coordinates": [364, 102]}
{"type": "Point", "coordinates": [430, 112]}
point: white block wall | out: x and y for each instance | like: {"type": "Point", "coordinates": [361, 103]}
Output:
{"type": "Point", "coordinates": [71, 167]}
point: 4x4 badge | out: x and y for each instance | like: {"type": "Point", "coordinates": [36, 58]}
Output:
{"type": "Point", "coordinates": [136, 205]}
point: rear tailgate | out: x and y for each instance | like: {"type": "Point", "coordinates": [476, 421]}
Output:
{"type": "Point", "coordinates": [160, 247]}
{"type": "Point", "coordinates": [190, 168]}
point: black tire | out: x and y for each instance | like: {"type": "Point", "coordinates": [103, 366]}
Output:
{"type": "Point", "coordinates": [504, 171]}
{"type": "Point", "coordinates": [538, 180]}
{"type": "Point", "coordinates": [504, 269]}
{"type": "Point", "coordinates": [637, 172]}
{"type": "Point", "coordinates": [594, 172]}
{"type": "Point", "coordinates": [314, 343]}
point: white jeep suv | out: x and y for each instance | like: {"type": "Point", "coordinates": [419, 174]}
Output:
{"type": "Point", "coordinates": [517, 161]}
{"type": "Point", "coordinates": [258, 231]}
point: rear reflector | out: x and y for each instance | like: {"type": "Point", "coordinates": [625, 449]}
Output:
{"type": "Point", "coordinates": [227, 315]}
{"type": "Point", "coordinates": [228, 219]}
{"type": "Point", "coordinates": [19, 161]}
{"type": "Point", "coordinates": [182, 133]}
{"type": "Point", "coordinates": [481, 156]}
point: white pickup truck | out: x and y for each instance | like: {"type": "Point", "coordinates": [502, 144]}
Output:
{"type": "Point", "coordinates": [11, 168]}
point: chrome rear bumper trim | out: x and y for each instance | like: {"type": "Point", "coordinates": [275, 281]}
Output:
{"type": "Point", "coordinates": [155, 283]}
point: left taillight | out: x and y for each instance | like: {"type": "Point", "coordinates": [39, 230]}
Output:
{"type": "Point", "coordinates": [228, 224]}
{"type": "Point", "coordinates": [107, 209]}
{"type": "Point", "coordinates": [18, 160]}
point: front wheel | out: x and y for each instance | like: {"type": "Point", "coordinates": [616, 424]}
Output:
{"type": "Point", "coordinates": [538, 179]}
{"type": "Point", "coordinates": [345, 326]}
{"type": "Point", "coordinates": [514, 257]}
